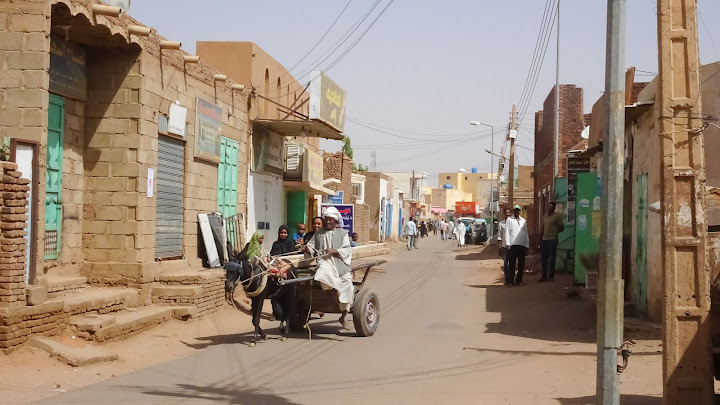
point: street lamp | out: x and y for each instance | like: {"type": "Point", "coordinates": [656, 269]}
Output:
{"type": "Point", "coordinates": [492, 174]}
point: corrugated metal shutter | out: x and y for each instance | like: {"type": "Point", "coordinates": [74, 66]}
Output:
{"type": "Point", "coordinates": [169, 210]}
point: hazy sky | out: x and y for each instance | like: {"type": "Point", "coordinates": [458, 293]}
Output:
{"type": "Point", "coordinates": [429, 67]}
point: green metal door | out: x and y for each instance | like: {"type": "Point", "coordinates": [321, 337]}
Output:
{"type": "Point", "coordinates": [228, 177]}
{"type": "Point", "coordinates": [641, 254]}
{"type": "Point", "coordinates": [587, 227]}
{"type": "Point", "coordinates": [53, 177]}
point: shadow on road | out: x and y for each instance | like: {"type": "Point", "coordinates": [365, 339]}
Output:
{"type": "Point", "coordinates": [549, 352]}
{"type": "Point", "coordinates": [534, 310]}
{"type": "Point", "coordinates": [326, 330]}
{"type": "Point", "coordinates": [624, 399]}
{"type": "Point", "coordinates": [223, 395]}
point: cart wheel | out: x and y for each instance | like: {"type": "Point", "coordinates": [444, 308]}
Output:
{"type": "Point", "coordinates": [298, 315]}
{"type": "Point", "coordinates": [366, 312]}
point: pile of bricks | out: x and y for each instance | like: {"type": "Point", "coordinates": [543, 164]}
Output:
{"type": "Point", "coordinates": [339, 166]}
{"type": "Point", "coordinates": [61, 290]}
{"type": "Point", "coordinates": [13, 218]}
{"type": "Point", "coordinates": [361, 221]}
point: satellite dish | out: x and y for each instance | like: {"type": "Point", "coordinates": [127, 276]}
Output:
{"type": "Point", "coordinates": [585, 134]}
{"type": "Point", "coordinates": [123, 4]}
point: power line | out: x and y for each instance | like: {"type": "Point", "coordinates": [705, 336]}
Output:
{"type": "Point", "coordinates": [366, 124]}
{"type": "Point", "coordinates": [420, 144]}
{"type": "Point", "coordinates": [321, 38]}
{"type": "Point", "coordinates": [538, 41]}
{"type": "Point", "coordinates": [528, 99]}
{"type": "Point", "coordinates": [405, 159]}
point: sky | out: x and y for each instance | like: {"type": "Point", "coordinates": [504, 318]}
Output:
{"type": "Point", "coordinates": [425, 69]}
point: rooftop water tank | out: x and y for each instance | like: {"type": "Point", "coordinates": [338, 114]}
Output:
{"type": "Point", "coordinates": [473, 170]}
{"type": "Point", "coordinates": [447, 185]}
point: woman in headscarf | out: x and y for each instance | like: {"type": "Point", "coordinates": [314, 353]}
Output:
{"type": "Point", "coordinates": [316, 225]}
{"type": "Point", "coordinates": [283, 244]}
{"type": "Point", "coordinates": [253, 248]}
{"type": "Point", "coordinates": [332, 244]}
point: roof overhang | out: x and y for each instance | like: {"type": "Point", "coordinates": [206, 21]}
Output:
{"type": "Point", "coordinates": [634, 111]}
{"type": "Point", "coordinates": [295, 128]}
{"type": "Point", "coordinates": [307, 187]}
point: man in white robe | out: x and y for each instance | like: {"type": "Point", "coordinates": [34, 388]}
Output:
{"type": "Point", "coordinates": [332, 244]}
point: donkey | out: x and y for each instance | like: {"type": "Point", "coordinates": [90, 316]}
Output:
{"type": "Point", "coordinates": [260, 285]}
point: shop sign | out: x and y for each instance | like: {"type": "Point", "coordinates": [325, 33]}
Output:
{"type": "Point", "coordinates": [327, 101]}
{"type": "Point", "coordinates": [346, 212]}
{"type": "Point", "coordinates": [314, 169]}
{"type": "Point", "coordinates": [208, 124]}
{"type": "Point", "coordinates": [176, 120]}
{"type": "Point", "coordinates": [68, 75]}
{"type": "Point", "coordinates": [267, 151]}
{"type": "Point", "coordinates": [336, 198]}
{"type": "Point", "coordinates": [576, 165]}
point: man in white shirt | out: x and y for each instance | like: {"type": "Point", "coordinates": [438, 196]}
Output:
{"type": "Point", "coordinates": [411, 233]}
{"type": "Point", "coordinates": [502, 246]}
{"type": "Point", "coordinates": [517, 239]}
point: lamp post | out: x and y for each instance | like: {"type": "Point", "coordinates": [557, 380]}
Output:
{"type": "Point", "coordinates": [492, 175]}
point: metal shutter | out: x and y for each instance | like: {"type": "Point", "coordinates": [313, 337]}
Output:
{"type": "Point", "coordinates": [169, 209]}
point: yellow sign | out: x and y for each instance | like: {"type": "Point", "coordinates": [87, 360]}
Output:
{"type": "Point", "coordinates": [313, 172]}
{"type": "Point", "coordinates": [327, 101]}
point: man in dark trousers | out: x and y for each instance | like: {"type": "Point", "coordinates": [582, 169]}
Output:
{"type": "Point", "coordinates": [517, 239]}
{"type": "Point", "coordinates": [552, 225]}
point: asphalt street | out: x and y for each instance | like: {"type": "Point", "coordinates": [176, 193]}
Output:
{"type": "Point", "coordinates": [449, 334]}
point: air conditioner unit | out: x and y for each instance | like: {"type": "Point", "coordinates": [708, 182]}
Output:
{"type": "Point", "coordinates": [294, 161]}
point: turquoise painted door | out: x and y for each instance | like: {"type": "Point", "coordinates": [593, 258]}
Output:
{"type": "Point", "coordinates": [53, 177]}
{"type": "Point", "coordinates": [587, 227]}
{"type": "Point", "coordinates": [641, 254]}
{"type": "Point", "coordinates": [228, 177]}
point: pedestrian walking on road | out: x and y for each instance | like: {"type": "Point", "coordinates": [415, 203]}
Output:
{"type": "Point", "coordinates": [460, 233]}
{"type": "Point", "coordinates": [451, 229]}
{"type": "Point", "coordinates": [552, 225]}
{"type": "Point", "coordinates": [502, 243]}
{"type": "Point", "coordinates": [423, 229]}
{"type": "Point", "coordinates": [410, 234]}
{"type": "Point", "coordinates": [444, 230]}
{"type": "Point", "coordinates": [518, 240]}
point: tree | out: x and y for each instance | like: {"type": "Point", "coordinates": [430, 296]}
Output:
{"type": "Point", "coordinates": [347, 148]}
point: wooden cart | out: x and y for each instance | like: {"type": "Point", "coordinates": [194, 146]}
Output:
{"type": "Point", "coordinates": [311, 297]}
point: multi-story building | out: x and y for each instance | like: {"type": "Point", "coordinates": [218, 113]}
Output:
{"type": "Point", "coordinates": [467, 182]}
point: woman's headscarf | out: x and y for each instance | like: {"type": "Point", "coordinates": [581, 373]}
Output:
{"type": "Point", "coordinates": [254, 248]}
{"type": "Point", "coordinates": [282, 246]}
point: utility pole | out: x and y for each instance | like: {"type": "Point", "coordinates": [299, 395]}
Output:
{"type": "Point", "coordinates": [610, 283]}
{"type": "Point", "coordinates": [511, 170]}
{"type": "Point", "coordinates": [687, 352]}
{"type": "Point", "coordinates": [557, 101]}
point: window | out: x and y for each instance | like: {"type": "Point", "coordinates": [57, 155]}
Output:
{"type": "Point", "coordinates": [356, 190]}
{"type": "Point", "coordinates": [448, 177]}
{"type": "Point", "coordinates": [465, 177]}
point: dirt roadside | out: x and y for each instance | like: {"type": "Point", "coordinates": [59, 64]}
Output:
{"type": "Point", "coordinates": [30, 374]}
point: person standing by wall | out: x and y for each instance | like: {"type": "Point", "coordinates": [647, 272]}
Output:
{"type": "Point", "coordinates": [518, 240]}
{"type": "Point", "coordinates": [502, 244]}
{"type": "Point", "coordinates": [552, 225]}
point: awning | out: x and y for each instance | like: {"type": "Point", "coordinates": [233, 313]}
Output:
{"type": "Point", "coordinates": [438, 210]}
{"type": "Point", "coordinates": [299, 127]}
{"type": "Point", "coordinates": [305, 186]}
{"type": "Point", "coordinates": [634, 111]}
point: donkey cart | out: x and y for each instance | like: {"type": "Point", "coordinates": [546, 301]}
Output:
{"type": "Point", "coordinates": [311, 297]}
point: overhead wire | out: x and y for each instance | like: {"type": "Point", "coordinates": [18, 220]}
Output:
{"type": "Point", "coordinates": [541, 34]}
{"type": "Point", "coordinates": [374, 126]}
{"type": "Point", "coordinates": [408, 158]}
{"type": "Point", "coordinates": [420, 144]}
{"type": "Point", "coordinates": [528, 99]}
{"type": "Point", "coordinates": [319, 40]}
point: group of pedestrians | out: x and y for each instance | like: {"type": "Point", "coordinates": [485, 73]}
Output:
{"type": "Point", "coordinates": [514, 241]}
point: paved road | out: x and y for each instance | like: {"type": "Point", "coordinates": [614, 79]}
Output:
{"type": "Point", "coordinates": [449, 334]}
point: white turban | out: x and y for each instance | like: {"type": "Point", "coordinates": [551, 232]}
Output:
{"type": "Point", "coordinates": [332, 212]}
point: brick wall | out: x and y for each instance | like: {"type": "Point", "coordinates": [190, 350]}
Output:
{"type": "Point", "coordinates": [361, 223]}
{"type": "Point", "coordinates": [339, 166]}
{"type": "Point", "coordinates": [572, 122]}
{"type": "Point", "coordinates": [13, 216]}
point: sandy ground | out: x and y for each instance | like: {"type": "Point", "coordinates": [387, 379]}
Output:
{"type": "Point", "coordinates": [450, 333]}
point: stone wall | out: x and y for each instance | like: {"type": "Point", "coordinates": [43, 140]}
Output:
{"type": "Point", "coordinates": [208, 293]}
{"type": "Point", "coordinates": [13, 216]}
{"type": "Point", "coordinates": [19, 323]}
{"type": "Point", "coordinates": [24, 61]}
{"type": "Point", "coordinates": [339, 166]}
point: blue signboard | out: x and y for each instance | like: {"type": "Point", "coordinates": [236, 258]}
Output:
{"type": "Point", "coordinates": [335, 199]}
{"type": "Point", "coordinates": [347, 212]}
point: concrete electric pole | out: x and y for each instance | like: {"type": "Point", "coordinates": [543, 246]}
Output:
{"type": "Point", "coordinates": [687, 352]}
{"type": "Point", "coordinates": [610, 283]}
{"type": "Point", "coordinates": [511, 169]}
